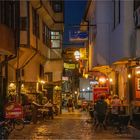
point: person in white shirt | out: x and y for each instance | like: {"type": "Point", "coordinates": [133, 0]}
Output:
{"type": "Point", "coordinates": [115, 103]}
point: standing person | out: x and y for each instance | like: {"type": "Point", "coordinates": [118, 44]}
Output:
{"type": "Point", "coordinates": [101, 109]}
{"type": "Point", "coordinates": [70, 105]}
{"type": "Point", "coordinates": [49, 105]}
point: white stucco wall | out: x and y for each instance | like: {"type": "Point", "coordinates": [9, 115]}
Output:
{"type": "Point", "coordinates": [120, 42]}
{"type": "Point", "coordinates": [112, 44]}
{"type": "Point", "coordinates": [103, 19]}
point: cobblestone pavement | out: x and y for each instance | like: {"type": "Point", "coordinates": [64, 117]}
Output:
{"type": "Point", "coordinates": [67, 126]}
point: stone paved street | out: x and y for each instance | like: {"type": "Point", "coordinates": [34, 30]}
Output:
{"type": "Point", "coordinates": [67, 126]}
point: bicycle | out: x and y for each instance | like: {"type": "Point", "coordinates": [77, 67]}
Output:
{"type": "Point", "coordinates": [14, 123]}
{"type": "Point", "coordinates": [3, 131]}
{"type": "Point", "coordinates": [14, 117]}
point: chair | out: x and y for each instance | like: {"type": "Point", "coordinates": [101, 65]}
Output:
{"type": "Point", "coordinates": [100, 121]}
{"type": "Point", "coordinates": [115, 122]}
{"type": "Point", "coordinates": [123, 123]}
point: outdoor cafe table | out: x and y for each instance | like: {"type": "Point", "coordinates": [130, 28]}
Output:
{"type": "Point", "coordinates": [122, 109]}
{"type": "Point", "coordinates": [123, 117]}
{"type": "Point", "coordinates": [123, 122]}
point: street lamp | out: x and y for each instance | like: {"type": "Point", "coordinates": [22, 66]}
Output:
{"type": "Point", "coordinates": [82, 93]}
{"type": "Point", "coordinates": [88, 89]}
{"type": "Point", "coordinates": [110, 80]}
{"type": "Point", "coordinates": [77, 55]}
{"type": "Point", "coordinates": [129, 75]}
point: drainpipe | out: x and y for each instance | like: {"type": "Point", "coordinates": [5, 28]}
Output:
{"type": "Point", "coordinates": [1, 94]}
{"type": "Point", "coordinates": [17, 47]}
{"type": "Point", "coordinates": [18, 78]}
{"type": "Point", "coordinates": [41, 4]}
{"type": "Point", "coordinates": [29, 60]}
{"type": "Point", "coordinates": [117, 86]}
{"type": "Point", "coordinates": [5, 91]}
{"type": "Point", "coordinates": [36, 9]}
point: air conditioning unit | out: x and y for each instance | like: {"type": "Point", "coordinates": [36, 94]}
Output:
{"type": "Point", "coordinates": [137, 17]}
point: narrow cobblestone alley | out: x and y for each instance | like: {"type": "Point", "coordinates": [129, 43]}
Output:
{"type": "Point", "coordinates": [66, 126]}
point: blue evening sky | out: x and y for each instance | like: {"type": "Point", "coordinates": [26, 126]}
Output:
{"type": "Point", "coordinates": [73, 14]}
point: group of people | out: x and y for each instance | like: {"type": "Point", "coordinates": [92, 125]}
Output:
{"type": "Point", "coordinates": [104, 108]}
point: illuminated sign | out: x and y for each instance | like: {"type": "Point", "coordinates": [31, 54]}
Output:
{"type": "Point", "coordinates": [64, 78]}
{"type": "Point", "coordinates": [83, 53]}
{"type": "Point", "coordinates": [78, 36]}
{"type": "Point", "coordinates": [69, 66]}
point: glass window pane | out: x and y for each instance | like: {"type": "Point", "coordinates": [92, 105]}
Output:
{"type": "Point", "coordinates": [55, 43]}
{"type": "Point", "coordinates": [52, 33]}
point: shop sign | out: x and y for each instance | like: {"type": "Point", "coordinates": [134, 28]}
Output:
{"type": "Point", "coordinates": [78, 36]}
{"type": "Point", "coordinates": [64, 78]}
{"type": "Point", "coordinates": [69, 66]}
{"type": "Point", "coordinates": [13, 110]}
{"type": "Point", "coordinates": [83, 53]}
{"type": "Point", "coordinates": [101, 90]}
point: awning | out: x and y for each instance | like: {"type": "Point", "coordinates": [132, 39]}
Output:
{"type": "Point", "coordinates": [102, 69]}
{"type": "Point", "coordinates": [123, 61]}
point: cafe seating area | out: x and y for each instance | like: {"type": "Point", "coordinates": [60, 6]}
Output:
{"type": "Point", "coordinates": [136, 117]}
{"type": "Point", "coordinates": [120, 121]}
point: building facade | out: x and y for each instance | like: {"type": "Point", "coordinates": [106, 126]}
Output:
{"type": "Point", "coordinates": [9, 29]}
{"type": "Point", "coordinates": [39, 61]}
{"type": "Point", "coordinates": [113, 43]}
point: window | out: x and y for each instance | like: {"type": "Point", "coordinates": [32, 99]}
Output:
{"type": "Point", "coordinates": [46, 34]}
{"type": "Point", "coordinates": [23, 23]}
{"type": "Point", "coordinates": [136, 4]}
{"type": "Point", "coordinates": [55, 40]}
{"type": "Point", "coordinates": [49, 76]}
{"type": "Point", "coordinates": [137, 13]}
{"type": "Point", "coordinates": [41, 71]}
{"type": "Point", "coordinates": [116, 13]}
{"type": "Point", "coordinates": [138, 83]}
{"type": "Point", "coordinates": [57, 5]}
{"type": "Point", "coordinates": [9, 13]}
{"type": "Point", "coordinates": [35, 18]}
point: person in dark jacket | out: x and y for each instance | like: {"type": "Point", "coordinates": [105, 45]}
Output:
{"type": "Point", "coordinates": [101, 109]}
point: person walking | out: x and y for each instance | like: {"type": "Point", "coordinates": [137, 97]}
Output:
{"type": "Point", "coordinates": [101, 109]}
{"type": "Point", "coordinates": [70, 105]}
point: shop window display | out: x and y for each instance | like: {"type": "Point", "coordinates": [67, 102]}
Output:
{"type": "Point", "coordinates": [12, 95]}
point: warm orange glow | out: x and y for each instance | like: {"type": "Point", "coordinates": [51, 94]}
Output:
{"type": "Point", "coordinates": [102, 80]}
{"type": "Point", "coordinates": [110, 80]}
{"type": "Point", "coordinates": [129, 75]}
{"type": "Point", "coordinates": [42, 82]}
{"type": "Point", "coordinates": [138, 72]}
{"type": "Point", "coordinates": [12, 85]}
{"type": "Point", "coordinates": [85, 75]}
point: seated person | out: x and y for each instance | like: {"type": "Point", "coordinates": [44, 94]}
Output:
{"type": "Point", "coordinates": [101, 109]}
